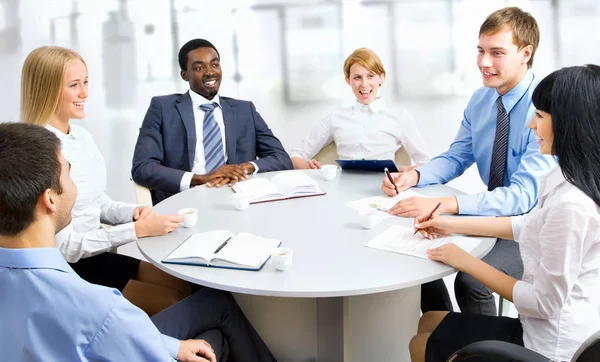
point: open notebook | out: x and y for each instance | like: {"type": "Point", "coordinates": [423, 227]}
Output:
{"type": "Point", "coordinates": [242, 251]}
{"type": "Point", "coordinates": [285, 185]}
{"type": "Point", "coordinates": [400, 239]}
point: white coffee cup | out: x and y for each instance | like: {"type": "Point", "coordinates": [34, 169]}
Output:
{"type": "Point", "coordinates": [240, 201]}
{"type": "Point", "coordinates": [190, 217]}
{"type": "Point", "coordinates": [369, 219]}
{"type": "Point", "coordinates": [329, 172]}
{"type": "Point", "coordinates": [282, 258]}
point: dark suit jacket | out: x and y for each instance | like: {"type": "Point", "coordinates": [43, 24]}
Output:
{"type": "Point", "coordinates": [166, 144]}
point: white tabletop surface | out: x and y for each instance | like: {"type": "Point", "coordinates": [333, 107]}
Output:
{"type": "Point", "coordinates": [330, 259]}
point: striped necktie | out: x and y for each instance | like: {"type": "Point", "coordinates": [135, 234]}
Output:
{"type": "Point", "coordinates": [213, 143]}
{"type": "Point", "coordinates": [498, 165]}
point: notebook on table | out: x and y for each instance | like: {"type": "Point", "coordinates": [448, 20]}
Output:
{"type": "Point", "coordinates": [403, 240]}
{"type": "Point", "coordinates": [368, 165]}
{"type": "Point", "coordinates": [223, 249]}
{"type": "Point", "coordinates": [285, 185]}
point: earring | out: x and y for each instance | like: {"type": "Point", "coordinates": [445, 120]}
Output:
{"type": "Point", "coordinates": [380, 84]}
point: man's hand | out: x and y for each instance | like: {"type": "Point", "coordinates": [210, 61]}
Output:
{"type": "Point", "coordinates": [143, 212]}
{"type": "Point", "coordinates": [157, 225]}
{"type": "Point", "coordinates": [402, 181]}
{"type": "Point", "coordinates": [195, 350]}
{"type": "Point", "coordinates": [415, 206]}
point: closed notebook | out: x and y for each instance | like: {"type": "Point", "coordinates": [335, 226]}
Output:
{"type": "Point", "coordinates": [242, 251]}
{"type": "Point", "coordinates": [285, 185]}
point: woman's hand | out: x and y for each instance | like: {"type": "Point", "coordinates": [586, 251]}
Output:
{"type": "Point", "coordinates": [451, 255]}
{"type": "Point", "coordinates": [157, 225]}
{"type": "Point", "coordinates": [437, 225]}
{"type": "Point", "coordinates": [143, 212]}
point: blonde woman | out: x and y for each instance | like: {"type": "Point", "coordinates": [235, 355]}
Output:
{"type": "Point", "coordinates": [54, 88]}
{"type": "Point", "coordinates": [368, 129]}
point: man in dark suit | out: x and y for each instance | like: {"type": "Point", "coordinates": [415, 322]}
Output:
{"type": "Point", "coordinates": [199, 137]}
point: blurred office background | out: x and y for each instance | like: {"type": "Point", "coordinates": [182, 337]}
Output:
{"type": "Point", "coordinates": [284, 55]}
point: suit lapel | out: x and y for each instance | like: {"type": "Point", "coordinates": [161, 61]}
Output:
{"type": "Point", "coordinates": [184, 106]}
{"type": "Point", "coordinates": [229, 120]}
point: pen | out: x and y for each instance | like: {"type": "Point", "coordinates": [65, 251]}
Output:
{"type": "Point", "coordinates": [430, 215]}
{"type": "Point", "coordinates": [389, 176]}
{"type": "Point", "coordinates": [222, 245]}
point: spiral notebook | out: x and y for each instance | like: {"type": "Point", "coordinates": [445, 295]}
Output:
{"type": "Point", "coordinates": [223, 249]}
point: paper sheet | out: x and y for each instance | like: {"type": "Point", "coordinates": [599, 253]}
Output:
{"type": "Point", "coordinates": [400, 239]}
{"type": "Point", "coordinates": [380, 203]}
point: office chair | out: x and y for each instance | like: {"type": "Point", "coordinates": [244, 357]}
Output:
{"type": "Point", "coordinates": [589, 351]}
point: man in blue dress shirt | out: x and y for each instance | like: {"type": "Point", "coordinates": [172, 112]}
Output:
{"type": "Point", "coordinates": [48, 313]}
{"type": "Point", "coordinates": [494, 135]}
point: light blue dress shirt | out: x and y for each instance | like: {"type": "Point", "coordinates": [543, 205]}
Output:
{"type": "Point", "coordinates": [48, 313]}
{"type": "Point", "coordinates": [474, 143]}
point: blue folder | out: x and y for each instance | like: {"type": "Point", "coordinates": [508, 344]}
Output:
{"type": "Point", "coordinates": [367, 165]}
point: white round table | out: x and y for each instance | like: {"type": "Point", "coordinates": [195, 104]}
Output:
{"type": "Point", "coordinates": [341, 301]}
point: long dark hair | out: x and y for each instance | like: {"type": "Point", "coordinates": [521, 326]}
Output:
{"type": "Point", "coordinates": [572, 97]}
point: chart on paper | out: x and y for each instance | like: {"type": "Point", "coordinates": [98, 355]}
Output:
{"type": "Point", "coordinates": [380, 203]}
{"type": "Point", "coordinates": [400, 239]}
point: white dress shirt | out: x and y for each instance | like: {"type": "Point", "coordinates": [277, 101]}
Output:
{"type": "Point", "coordinates": [199, 166]}
{"type": "Point", "coordinates": [84, 237]}
{"type": "Point", "coordinates": [558, 299]}
{"type": "Point", "coordinates": [372, 132]}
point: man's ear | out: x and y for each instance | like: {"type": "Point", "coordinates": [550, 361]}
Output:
{"type": "Point", "coordinates": [527, 51]}
{"type": "Point", "coordinates": [49, 200]}
{"type": "Point", "coordinates": [184, 75]}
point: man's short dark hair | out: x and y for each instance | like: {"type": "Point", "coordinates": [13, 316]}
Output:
{"type": "Point", "coordinates": [29, 164]}
{"type": "Point", "coordinates": [191, 45]}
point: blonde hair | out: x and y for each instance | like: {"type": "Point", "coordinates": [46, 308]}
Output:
{"type": "Point", "coordinates": [42, 80]}
{"type": "Point", "coordinates": [365, 57]}
{"type": "Point", "coordinates": [522, 24]}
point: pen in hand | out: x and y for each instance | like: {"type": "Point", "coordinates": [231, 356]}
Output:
{"type": "Point", "coordinates": [222, 245]}
{"type": "Point", "coordinates": [389, 176]}
{"type": "Point", "coordinates": [428, 217]}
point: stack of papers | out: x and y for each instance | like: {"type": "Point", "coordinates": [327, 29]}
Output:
{"type": "Point", "coordinates": [402, 240]}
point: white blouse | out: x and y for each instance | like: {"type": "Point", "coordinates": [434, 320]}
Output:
{"type": "Point", "coordinates": [84, 237]}
{"type": "Point", "coordinates": [361, 131]}
{"type": "Point", "coordinates": [558, 299]}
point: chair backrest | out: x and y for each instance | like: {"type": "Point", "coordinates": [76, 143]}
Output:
{"type": "Point", "coordinates": [589, 351]}
{"type": "Point", "coordinates": [142, 195]}
{"type": "Point", "coordinates": [328, 155]}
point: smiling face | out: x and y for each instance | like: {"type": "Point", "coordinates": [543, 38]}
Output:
{"type": "Point", "coordinates": [541, 124]}
{"type": "Point", "coordinates": [501, 63]}
{"type": "Point", "coordinates": [203, 72]}
{"type": "Point", "coordinates": [365, 84]}
{"type": "Point", "coordinates": [75, 91]}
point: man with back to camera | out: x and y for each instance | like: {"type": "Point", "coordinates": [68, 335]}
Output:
{"type": "Point", "coordinates": [200, 137]}
{"type": "Point", "coordinates": [494, 135]}
{"type": "Point", "coordinates": [49, 313]}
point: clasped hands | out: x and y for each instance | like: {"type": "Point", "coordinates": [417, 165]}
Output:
{"type": "Point", "coordinates": [224, 175]}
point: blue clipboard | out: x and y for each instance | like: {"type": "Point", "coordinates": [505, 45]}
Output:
{"type": "Point", "coordinates": [367, 165]}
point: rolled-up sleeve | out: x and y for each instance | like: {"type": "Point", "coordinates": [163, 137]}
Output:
{"type": "Point", "coordinates": [561, 258]}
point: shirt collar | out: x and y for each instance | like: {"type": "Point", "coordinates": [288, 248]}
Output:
{"type": "Point", "coordinates": [550, 181]}
{"type": "Point", "coordinates": [74, 132]}
{"type": "Point", "coordinates": [198, 100]}
{"type": "Point", "coordinates": [34, 258]}
{"type": "Point", "coordinates": [377, 105]}
{"type": "Point", "coordinates": [514, 95]}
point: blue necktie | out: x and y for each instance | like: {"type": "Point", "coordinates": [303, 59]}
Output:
{"type": "Point", "coordinates": [498, 164]}
{"type": "Point", "coordinates": [213, 143]}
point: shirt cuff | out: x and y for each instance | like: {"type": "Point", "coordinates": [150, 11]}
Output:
{"type": "Point", "coordinates": [424, 179]}
{"type": "Point", "coordinates": [122, 234]}
{"type": "Point", "coordinates": [467, 204]}
{"type": "Point", "coordinates": [255, 167]}
{"type": "Point", "coordinates": [186, 179]}
{"type": "Point", "coordinates": [172, 345]}
{"type": "Point", "coordinates": [516, 222]}
{"type": "Point", "coordinates": [524, 300]}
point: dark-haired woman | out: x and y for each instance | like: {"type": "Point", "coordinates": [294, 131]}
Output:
{"type": "Point", "coordinates": [558, 299]}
